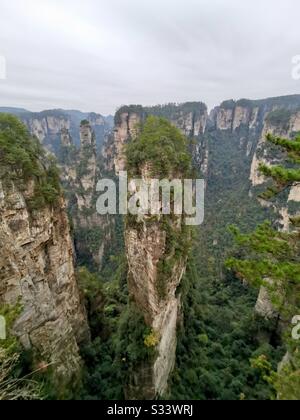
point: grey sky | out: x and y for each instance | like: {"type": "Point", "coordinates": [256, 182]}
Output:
{"type": "Point", "coordinates": [96, 55]}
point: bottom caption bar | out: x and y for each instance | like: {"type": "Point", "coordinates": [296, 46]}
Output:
{"type": "Point", "coordinates": [142, 409]}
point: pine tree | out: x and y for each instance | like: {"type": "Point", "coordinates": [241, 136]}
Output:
{"type": "Point", "coordinates": [271, 259]}
{"type": "Point", "coordinates": [283, 177]}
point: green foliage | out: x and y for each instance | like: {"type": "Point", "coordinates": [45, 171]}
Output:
{"type": "Point", "coordinates": [22, 159]}
{"type": "Point", "coordinates": [90, 236]}
{"type": "Point", "coordinates": [220, 333]}
{"type": "Point", "coordinates": [174, 111]}
{"type": "Point", "coordinates": [272, 259]}
{"type": "Point", "coordinates": [92, 288]}
{"type": "Point", "coordinates": [287, 381]}
{"type": "Point", "coordinates": [106, 301]}
{"type": "Point", "coordinates": [268, 254]}
{"type": "Point", "coordinates": [132, 348]}
{"type": "Point", "coordinates": [283, 176]}
{"type": "Point", "coordinates": [152, 339]}
{"type": "Point", "coordinates": [160, 145]}
{"type": "Point", "coordinates": [19, 153]}
{"type": "Point", "coordinates": [218, 338]}
{"type": "Point", "coordinates": [164, 149]}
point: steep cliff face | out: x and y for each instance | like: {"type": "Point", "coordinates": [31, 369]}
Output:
{"type": "Point", "coordinates": [37, 267]}
{"type": "Point", "coordinates": [47, 126]}
{"type": "Point", "coordinates": [232, 115]}
{"type": "Point", "coordinates": [154, 289]}
{"type": "Point", "coordinates": [37, 272]}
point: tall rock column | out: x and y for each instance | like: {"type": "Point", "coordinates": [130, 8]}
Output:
{"type": "Point", "coordinates": [156, 246]}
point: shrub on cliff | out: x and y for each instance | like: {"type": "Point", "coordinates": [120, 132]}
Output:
{"type": "Point", "coordinates": [22, 158]}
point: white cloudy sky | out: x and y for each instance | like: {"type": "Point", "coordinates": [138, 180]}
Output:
{"type": "Point", "coordinates": [99, 54]}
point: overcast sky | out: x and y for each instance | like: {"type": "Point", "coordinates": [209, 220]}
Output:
{"type": "Point", "coordinates": [95, 55]}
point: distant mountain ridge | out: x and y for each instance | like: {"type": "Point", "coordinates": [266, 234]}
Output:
{"type": "Point", "coordinates": [49, 125]}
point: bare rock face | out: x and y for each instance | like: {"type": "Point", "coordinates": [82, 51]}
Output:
{"type": "Point", "coordinates": [41, 127]}
{"type": "Point", "coordinates": [88, 156]}
{"type": "Point", "coordinates": [37, 270]}
{"type": "Point", "coordinates": [224, 119]}
{"type": "Point", "coordinates": [66, 139]}
{"type": "Point", "coordinates": [232, 115]}
{"type": "Point", "coordinates": [241, 116]}
{"type": "Point", "coordinates": [264, 306]}
{"type": "Point", "coordinates": [284, 128]}
{"type": "Point", "coordinates": [268, 128]}
{"type": "Point", "coordinates": [191, 124]}
{"type": "Point", "coordinates": [126, 129]}
{"type": "Point", "coordinates": [155, 295]}
{"type": "Point", "coordinates": [295, 193]}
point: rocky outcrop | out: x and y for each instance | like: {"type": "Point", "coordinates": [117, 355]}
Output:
{"type": "Point", "coordinates": [264, 306]}
{"type": "Point", "coordinates": [37, 271]}
{"type": "Point", "coordinates": [295, 194]}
